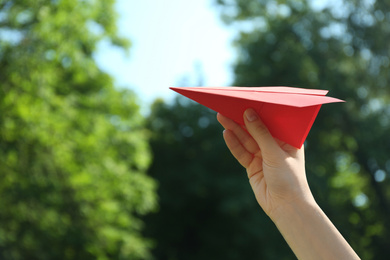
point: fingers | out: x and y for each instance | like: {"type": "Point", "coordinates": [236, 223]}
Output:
{"type": "Point", "coordinates": [286, 147]}
{"type": "Point", "coordinates": [237, 149]}
{"type": "Point", "coordinates": [262, 136]}
{"type": "Point", "coordinates": [244, 138]}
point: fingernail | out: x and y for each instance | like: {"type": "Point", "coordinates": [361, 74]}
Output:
{"type": "Point", "coordinates": [250, 115]}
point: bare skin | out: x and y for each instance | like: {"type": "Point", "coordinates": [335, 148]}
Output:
{"type": "Point", "coordinates": [276, 172]}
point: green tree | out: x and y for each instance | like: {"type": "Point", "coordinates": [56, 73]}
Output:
{"type": "Point", "coordinates": [73, 148]}
{"type": "Point", "coordinates": [207, 210]}
{"type": "Point", "coordinates": [342, 47]}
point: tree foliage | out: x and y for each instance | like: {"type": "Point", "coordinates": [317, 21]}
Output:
{"type": "Point", "coordinates": [73, 148]}
{"type": "Point", "coordinates": [342, 47]}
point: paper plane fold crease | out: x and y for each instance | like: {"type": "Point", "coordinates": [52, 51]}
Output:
{"type": "Point", "coordinates": [289, 113]}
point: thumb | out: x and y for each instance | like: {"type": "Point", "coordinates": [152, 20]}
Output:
{"type": "Point", "coordinates": [269, 147]}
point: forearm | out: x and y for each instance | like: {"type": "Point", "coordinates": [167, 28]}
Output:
{"type": "Point", "coordinates": [310, 233]}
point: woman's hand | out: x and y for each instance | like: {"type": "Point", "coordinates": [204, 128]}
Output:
{"type": "Point", "coordinates": [276, 170]}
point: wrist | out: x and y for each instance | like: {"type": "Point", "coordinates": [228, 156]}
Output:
{"type": "Point", "coordinates": [310, 233]}
{"type": "Point", "coordinates": [293, 209]}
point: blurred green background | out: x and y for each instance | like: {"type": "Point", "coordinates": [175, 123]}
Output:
{"type": "Point", "coordinates": [85, 175]}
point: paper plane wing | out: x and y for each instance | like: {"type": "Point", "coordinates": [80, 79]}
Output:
{"type": "Point", "coordinates": [289, 113]}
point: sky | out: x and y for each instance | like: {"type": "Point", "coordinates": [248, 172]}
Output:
{"type": "Point", "coordinates": [174, 43]}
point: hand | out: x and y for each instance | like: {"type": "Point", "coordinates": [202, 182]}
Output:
{"type": "Point", "coordinates": [276, 170]}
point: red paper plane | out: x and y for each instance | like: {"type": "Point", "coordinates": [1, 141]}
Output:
{"type": "Point", "coordinates": [288, 112]}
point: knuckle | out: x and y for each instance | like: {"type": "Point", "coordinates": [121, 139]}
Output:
{"type": "Point", "coordinates": [260, 129]}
